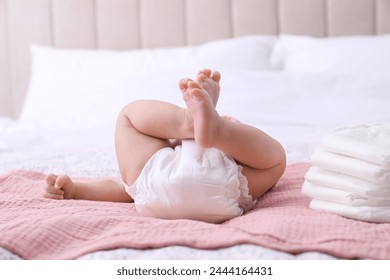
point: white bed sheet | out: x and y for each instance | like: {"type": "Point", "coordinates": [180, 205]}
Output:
{"type": "Point", "coordinates": [296, 109]}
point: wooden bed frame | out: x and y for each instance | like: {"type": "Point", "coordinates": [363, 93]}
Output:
{"type": "Point", "coordinates": [132, 24]}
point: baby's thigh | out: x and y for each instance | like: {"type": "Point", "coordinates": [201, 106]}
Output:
{"type": "Point", "coordinates": [134, 149]}
{"type": "Point", "coordinates": [261, 180]}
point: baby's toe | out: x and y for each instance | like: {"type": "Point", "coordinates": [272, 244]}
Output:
{"type": "Point", "coordinates": [207, 72]}
{"type": "Point", "coordinates": [201, 78]}
{"type": "Point", "coordinates": [216, 76]}
{"type": "Point", "coordinates": [193, 85]}
{"type": "Point", "coordinates": [183, 84]}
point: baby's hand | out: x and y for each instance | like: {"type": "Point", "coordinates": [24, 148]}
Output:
{"type": "Point", "coordinates": [59, 187]}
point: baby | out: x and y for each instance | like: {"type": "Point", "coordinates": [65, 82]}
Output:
{"type": "Point", "coordinates": [164, 153]}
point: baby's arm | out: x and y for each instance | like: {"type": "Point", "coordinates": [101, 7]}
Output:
{"type": "Point", "coordinates": [62, 187]}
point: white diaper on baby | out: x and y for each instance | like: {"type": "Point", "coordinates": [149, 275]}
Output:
{"type": "Point", "coordinates": [190, 182]}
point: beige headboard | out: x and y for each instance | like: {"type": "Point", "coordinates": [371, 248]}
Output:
{"type": "Point", "coordinates": [130, 24]}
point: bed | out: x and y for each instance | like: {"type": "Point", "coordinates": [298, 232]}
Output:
{"type": "Point", "coordinates": [297, 70]}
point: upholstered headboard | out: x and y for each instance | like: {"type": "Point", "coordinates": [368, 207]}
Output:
{"type": "Point", "coordinates": [130, 24]}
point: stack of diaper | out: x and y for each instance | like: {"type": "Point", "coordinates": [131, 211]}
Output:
{"type": "Point", "coordinates": [350, 175]}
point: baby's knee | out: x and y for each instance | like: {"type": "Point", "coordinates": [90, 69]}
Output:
{"type": "Point", "coordinates": [129, 107]}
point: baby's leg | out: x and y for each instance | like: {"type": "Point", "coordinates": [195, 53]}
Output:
{"type": "Point", "coordinates": [262, 157]}
{"type": "Point", "coordinates": [143, 128]}
{"type": "Point", "coordinates": [63, 187]}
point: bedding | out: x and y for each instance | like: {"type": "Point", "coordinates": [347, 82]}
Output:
{"type": "Point", "coordinates": [349, 54]}
{"type": "Point", "coordinates": [298, 109]}
{"type": "Point", "coordinates": [38, 228]}
{"type": "Point", "coordinates": [91, 86]}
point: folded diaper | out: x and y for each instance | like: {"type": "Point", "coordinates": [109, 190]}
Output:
{"type": "Point", "coordinates": [377, 174]}
{"type": "Point", "coordinates": [367, 142]}
{"type": "Point", "coordinates": [190, 182]}
{"type": "Point", "coordinates": [351, 184]}
{"type": "Point", "coordinates": [350, 175]}
{"type": "Point", "coordinates": [339, 196]}
{"type": "Point", "coordinates": [376, 214]}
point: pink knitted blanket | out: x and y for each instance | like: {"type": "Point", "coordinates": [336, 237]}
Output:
{"type": "Point", "coordinates": [37, 228]}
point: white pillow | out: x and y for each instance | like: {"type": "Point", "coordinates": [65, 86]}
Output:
{"type": "Point", "coordinates": [337, 55]}
{"type": "Point", "coordinates": [85, 88]}
{"type": "Point", "coordinates": [245, 53]}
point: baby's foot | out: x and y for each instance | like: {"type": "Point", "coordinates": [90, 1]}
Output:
{"type": "Point", "coordinates": [209, 81]}
{"type": "Point", "coordinates": [201, 108]}
{"type": "Point", "coordinates": [59, 187]}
